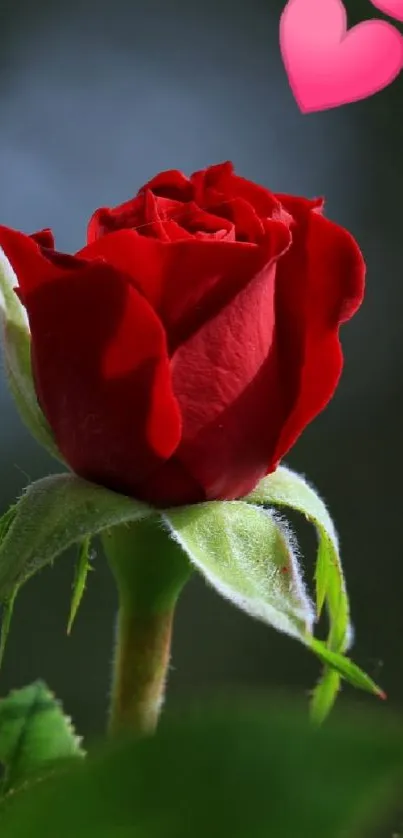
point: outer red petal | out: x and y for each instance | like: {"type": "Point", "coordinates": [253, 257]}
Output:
{"type": "Point", "coordinates": [34, 264]}
{"type": "Point", "coordinates": [103, 377]}
{"type": "Point", "coordinates": [100, 365]}
{"type": "Point", "coordinates": [172, 485]}
{"type": "Point", "coordinates": [45, 238]}
{"type": "Point", "coordinates": [188, 282]}
{"type": "Point", "coordinates": [226, 379]}
{"type": "Point", "coordinates": [320, 284]}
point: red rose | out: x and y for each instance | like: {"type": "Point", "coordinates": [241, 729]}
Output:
{"type": "Point", "coordinates": [180, 354]}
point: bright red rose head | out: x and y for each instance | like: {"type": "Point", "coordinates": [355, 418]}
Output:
{"type": "Point", "coordinates": [179, 355]}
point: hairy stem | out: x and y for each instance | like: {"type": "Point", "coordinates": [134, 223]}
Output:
{"type": "Point", "coordinates": [150, 571]}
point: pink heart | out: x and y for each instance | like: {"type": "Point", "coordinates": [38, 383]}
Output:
{"type": "Point", "coordinates": [327, 65]}
{"type": "Point", "coordinates": [393, 8]}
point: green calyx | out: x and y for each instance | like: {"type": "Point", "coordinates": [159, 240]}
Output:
{"type": "Point", "coordinates": [244, 548]}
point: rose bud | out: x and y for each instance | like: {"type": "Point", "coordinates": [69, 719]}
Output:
{"type": "Point", "coordinates": [179, 355]}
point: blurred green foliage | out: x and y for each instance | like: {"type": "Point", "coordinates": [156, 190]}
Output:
{"type": "Point", "coordinates": [232, 769]}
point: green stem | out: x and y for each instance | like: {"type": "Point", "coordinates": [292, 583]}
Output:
{"type": "Point", "coordinates": [140, 667]}
{"type": "Point", "coordinates": [150, 570]}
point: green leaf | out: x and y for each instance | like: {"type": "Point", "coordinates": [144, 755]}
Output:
{"type": "Point", "coordinates": [247, 554]}
{"type": "Point", "coordinates": [83, 566]}
{"type": "Point", "coordinates": [286, 489]}
{"type": "Point", "coordinates": [53, 514]}
{"type": "Point", "coordinates": [34, 736]}
{"type": "Point", "coordinates": [16, 340]}
{"type": "Point", "coordinates": [257, 771]}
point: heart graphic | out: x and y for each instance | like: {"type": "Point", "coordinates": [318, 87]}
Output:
{"type": "Point", "coordinates": [393, 8]}
{"type": "Point", "coordinates": [328, 65]}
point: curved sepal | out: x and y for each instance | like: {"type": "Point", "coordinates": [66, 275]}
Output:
{"type": "Point", "coordinates": [288, 490]}
{"type": "Point", "coordinates": [83, 566]}
{"type": "Point", "coordinates": [248, 555]}
{"type": "Point", "coordinates": [16, 341]}
{"type": "Point", "coordinates": [53, 514]}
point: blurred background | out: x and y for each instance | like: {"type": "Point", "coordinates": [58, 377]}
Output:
{"type": "Point", "coordinates": [95, 98]}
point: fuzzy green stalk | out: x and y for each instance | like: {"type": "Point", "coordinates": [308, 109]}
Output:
{"type": "Point", "coordinates": [150, 570]}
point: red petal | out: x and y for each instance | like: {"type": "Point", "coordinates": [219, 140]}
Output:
{"type": "Point", "coordinates": [221, 183]}
{"type": "Point", "coordinates": [160, 216]}
{"type": "Point", "coordinates": [262, 200]}
{"type": "Point", "coordinates": [107, 219]}
{"type": "Point", "coordinates": [320, 284]}
{"type": "Point", "coordinates": [103, 378]}
{"type": "Point", "coordinates": [129, 215]}
{"type": "Point", "coordinates": [207, 275]}
{"type": "Point", "coordinates": [34, 265]}
{"type": "Point", "coordinates": [170, 184]}
{"type": "Point", "coordinates": [187, 282]}
{"type": "Point", "coordinates": [44, 238]}
{"type": "Point", "coordinates": [226, 379]}
{"type": "Point", "coordinates": [190, 220]}
{"type": "Point", "coordinates": [141, 258]}
{"type": "Point", "coordinates": [172, 485]}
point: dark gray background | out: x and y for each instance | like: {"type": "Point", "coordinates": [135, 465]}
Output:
{"type": "Point", "coordinates": [96, 98]}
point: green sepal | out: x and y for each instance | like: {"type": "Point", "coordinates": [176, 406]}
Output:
{"type": "Point", "coordinates": [286, 489]}
{"type": "Point", "coordinates": [248, 555]}
{"type": "Point", "coordinates": [7, 605]}
{"type": "Point", "coordinates": [346, 668]}
{"type": "Point", "coordinates": [83, 566]}
{"type": "Point", "coordinates": [6, 614]}
{"type": "Point", "coordinates": [6, 521]}
{"type": "Point", "coordinates": [324, 695]}
{"type": "Point", "coordinates": [35, 736]}
{"type": "Point", "coordinates": [16, 341]}
{"type": "Point", "coordinates": [53, 514]}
